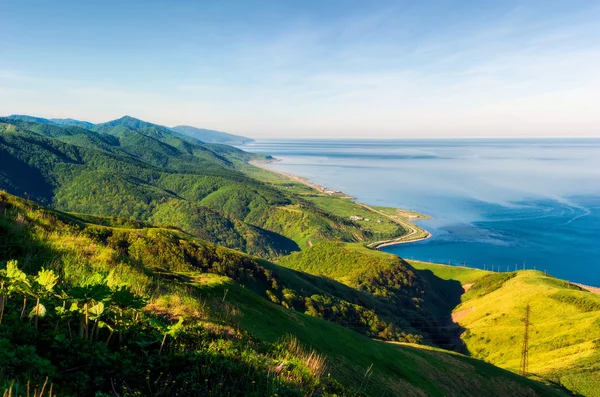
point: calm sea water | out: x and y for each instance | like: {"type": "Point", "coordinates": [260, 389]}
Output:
{"type": "Point", "coordinates": [501, 203]}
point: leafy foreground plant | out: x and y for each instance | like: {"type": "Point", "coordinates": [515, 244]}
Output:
{"type": "Point", "coordinates": [148, 355]}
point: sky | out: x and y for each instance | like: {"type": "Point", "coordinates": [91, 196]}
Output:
{"type": "Point", "coordinates": [309, 69]}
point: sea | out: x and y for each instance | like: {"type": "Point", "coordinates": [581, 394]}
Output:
{"type": "Point", "coordinates": [499, 204]}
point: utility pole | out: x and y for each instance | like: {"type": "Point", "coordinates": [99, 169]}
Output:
{"type": "Point", "coordinates": [525, 351]}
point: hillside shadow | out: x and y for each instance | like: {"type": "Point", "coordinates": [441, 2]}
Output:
{"type": "Point", "coordinates": [403, 311]}
{"type": "Point", "coordinates": [441, 297]}
{"type": "Point", "coordinates": [24, 180]}
{"type": "Point", "coordinates": [18, 241]}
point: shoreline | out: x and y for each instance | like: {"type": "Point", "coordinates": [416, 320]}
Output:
{"type": "Point", "coordinates": [300, 179]}
{"type": "Point", "coordinates": [405, 224]}
{"type": "Point", "coordinates": [383, 243]}
{"type": "Point", "coordinates": [389, 243]}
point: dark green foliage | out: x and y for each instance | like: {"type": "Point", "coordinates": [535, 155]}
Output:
{"type": "Point", "coordinates": [170, 252]}
{"type": "Point", "coordinates": [386, 283]}
{"type": "Point", "coordinates": [130, 168]}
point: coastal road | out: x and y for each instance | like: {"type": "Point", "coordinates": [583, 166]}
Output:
{"type": "Point", "coordinates": [405, 238]}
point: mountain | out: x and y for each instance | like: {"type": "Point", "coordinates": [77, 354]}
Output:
{"type": "Point", "coordinates": [74, 123]}
{"type": "Point", "coordinates": [58, 122]}
{"type": "Point", "coordinates": [138, 175]}
{"type": "Point", "coordinates": [124, 305]}
{"type": "Point", "coordinates": [187, 133]}
{"type": "Point", "coordinates": [30, 119]}
{"type": "Point", "coordinates": [212, 136]}
{"type": "Point", "coordinates": [140, 170]}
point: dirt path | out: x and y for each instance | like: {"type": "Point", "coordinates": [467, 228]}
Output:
{"type": "Point", "coordinates": [595, 290]}
{"type": "Point", "coordinates": [459, 315]}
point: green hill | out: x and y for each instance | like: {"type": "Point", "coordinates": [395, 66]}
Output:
{"type": "Point", "coordinates": [212, 136]}
{"type": "Point", "coordinates": [154, 311]}
{"type": "Point", "coordinates": [147, 172]}
{"type": "Point", "coordinates": [565, 336]}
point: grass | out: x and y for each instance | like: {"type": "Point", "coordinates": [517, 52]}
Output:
{"type": "Point", "coordinates": [462, 274]}
{"type": "Point", "coordinates": [396, 369]}
{"type": "Point", "coordinates": [380, 226]}
{"type": "Point", "coordinates": [232, 315]}
{"type": "Point", "coordinates": [565, 336]}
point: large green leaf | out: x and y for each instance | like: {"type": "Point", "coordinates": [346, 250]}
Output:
{"type": "Point", "coordinates": [39, 310]}
{"type": "Point", "coordinates": [46, 279]}
{"type": "Point", "coordinates": [95, 312]}
{"type": "Point", "coordinates": [14, 273]}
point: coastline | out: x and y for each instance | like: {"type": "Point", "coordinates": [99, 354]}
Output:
{"type": "Point", "coordinates": [405, 222]}
{"type": "Point", "coordinates": [300, 179]}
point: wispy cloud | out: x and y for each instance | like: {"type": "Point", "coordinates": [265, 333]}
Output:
{"type": "Point", "coordinates": [402, 70]}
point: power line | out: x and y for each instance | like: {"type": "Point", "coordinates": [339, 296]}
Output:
{"type": "Point", "coordinates": [525, 351]}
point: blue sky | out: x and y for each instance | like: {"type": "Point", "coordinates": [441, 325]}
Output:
{"type": "Point", "coordinates": [378, 69]}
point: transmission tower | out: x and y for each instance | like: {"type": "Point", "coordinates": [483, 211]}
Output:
{"type": "Point", "coordinates": [525, 351]}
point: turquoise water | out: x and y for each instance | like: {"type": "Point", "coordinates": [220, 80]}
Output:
{"type": "Point", "coordinates": [501, 203]}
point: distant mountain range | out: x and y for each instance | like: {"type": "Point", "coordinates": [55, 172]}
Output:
{"type": "Point", "coordinates": [201, 134]}
{"type": "Point", "coordinates": [211, 136]}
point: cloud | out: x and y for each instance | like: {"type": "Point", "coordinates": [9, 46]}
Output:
{"type": "Point", "coordinates": [385, 73]}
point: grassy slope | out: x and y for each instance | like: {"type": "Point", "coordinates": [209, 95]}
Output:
{"type": "Point", "coordinates": [565, 338]}
{"type": "Point", "coordinates": [398, 369]}
{"type": "Point", "coordinates": [153, 264]}
{"type": "Point", "coordinates": [462, 274]}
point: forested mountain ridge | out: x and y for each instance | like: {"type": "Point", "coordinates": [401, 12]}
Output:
{"type": "Point", "coordinates": [201, 134]}
{"type": "Point", "coordinates": [147, 172]}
